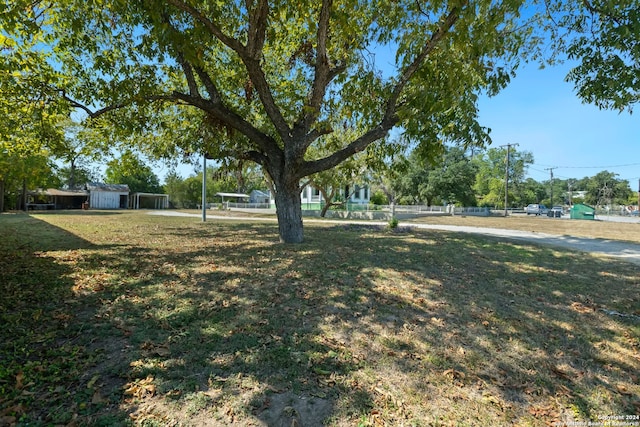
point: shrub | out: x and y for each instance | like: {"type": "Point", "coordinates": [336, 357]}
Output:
{"type": "Point", "coordinates": [393, 223]}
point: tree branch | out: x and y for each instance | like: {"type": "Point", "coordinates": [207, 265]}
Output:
{"type": "Point", "coordinates": [390, 117]}
{"type": "Point", "coordinates": [322, 66]}
{"type": "Point", "coordinates": [188, 73]}
{"type": "Point", "coordinates": [211, 87]}
{"type": "Point", "coordinates": [225, 115]}
{"type": "Point", "coordinates": [250, 56]}
{"type": "Point", "coordinates": [257, 28]}
{"type": "Point", "coordinates": [96, 113]}
{"type": "Point", "coordinates": [311, 167]}
{"type": "Point", "coordinates": [187, 69]}
{"type": "Point", "coordinates": [214, 29]}
{"type": "Point", "coordinates": [406, 75]}
{"type": "Point", "coordinates": [255, 156]}
{"type": "Point", "coordinates": [325, 72]}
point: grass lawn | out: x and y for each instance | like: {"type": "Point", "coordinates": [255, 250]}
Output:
{"type": "Point", "coordinates": [122, 318]}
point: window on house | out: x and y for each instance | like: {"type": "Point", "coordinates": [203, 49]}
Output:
{"type": "Point", "coordinates": [356, 193]}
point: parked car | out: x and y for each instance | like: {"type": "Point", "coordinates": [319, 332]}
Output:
{"type": "Point", "coordinates": [536, 209]}
{"type": "Point", "coordinates": [555, 212]}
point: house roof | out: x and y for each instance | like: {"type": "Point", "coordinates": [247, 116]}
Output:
{"type": "Point", "coordinates": [232, 195]}
{"type": "Point", "coordinates": [98, 186]}
{"type": "Point", "coordinates": [56, 192]}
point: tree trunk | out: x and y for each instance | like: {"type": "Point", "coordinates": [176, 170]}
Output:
{"type": "Point", "coordinates": [328, 201]}
{"type": "Point", "coordinates": [289, 212]}
{"type": "Point", "coordinates": [23, 198]}
{"type": "Point", "coordinates": [72, 175]}
{"type": "Point", "coordinates": [324, 210]}
{"type": "Point", "coordinates": [1, 195]}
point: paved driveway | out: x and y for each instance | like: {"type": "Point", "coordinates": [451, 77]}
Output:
{"type": "Point", "coordinates": [623, 250]}
{"type": "Point", "coordinates": [614, 248]}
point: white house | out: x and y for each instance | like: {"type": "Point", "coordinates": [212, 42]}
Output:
{"type": "Point", "coordinates": [312, 198]}
{"type": "Point", "coordinates": [357, 194]}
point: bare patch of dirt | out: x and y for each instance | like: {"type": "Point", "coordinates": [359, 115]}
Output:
{"type": "Point", "coordinates": [287, 410]}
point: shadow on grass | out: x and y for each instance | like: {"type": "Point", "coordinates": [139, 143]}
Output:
{"type": "Point", "coordinates": [44, 351]}
{"type": "Point", "coordinates": [219, 323]}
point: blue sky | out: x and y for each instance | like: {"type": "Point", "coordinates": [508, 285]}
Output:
{"type": "Point", "coordinates": [541, 112]}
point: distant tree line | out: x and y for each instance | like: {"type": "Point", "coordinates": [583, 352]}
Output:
{"type": "Point", "coordinates": [450, 175]}
{"type": "Point", "coordinates": [478, 179]}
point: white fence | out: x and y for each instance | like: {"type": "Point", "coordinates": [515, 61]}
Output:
{"type": "Point", "coordinates": [398, 209]}
{"type": "Point", "coordinates": [230, 205]}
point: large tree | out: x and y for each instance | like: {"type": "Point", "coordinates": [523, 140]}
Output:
{"type": "Point", "coordinates": [264, 80]}
{"type": "Point", "coordinates": [283, 74]}
{"type": "Point", "coordinates": [605, 189]}
{"type": "Point", "coordinates": [490, 180]}
{"type": "Point", "coordinates": [448, 178]}
{"type": "Point", "coordinates": [79, 144]}
{"type": "Point", "coordinates": [130, 170]}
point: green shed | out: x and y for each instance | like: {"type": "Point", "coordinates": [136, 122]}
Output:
{"type": "Point", "coordinates": [580, 211]}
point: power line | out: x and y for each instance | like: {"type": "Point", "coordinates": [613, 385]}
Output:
{"type": "Point", "coordinates": [593, 167]}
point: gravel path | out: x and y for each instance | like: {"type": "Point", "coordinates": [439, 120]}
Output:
{"type": "Point", "coordinates": [623, 250]}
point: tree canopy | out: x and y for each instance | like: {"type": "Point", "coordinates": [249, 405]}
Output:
{"type": "Point", "coordinates": [266, 80]}
{"type": "Point", "coordinates": [490, 181]}
{"type": "Point", "coordinates": [448, 178]}
{"type": "Point", "coordinates": [130, 170]}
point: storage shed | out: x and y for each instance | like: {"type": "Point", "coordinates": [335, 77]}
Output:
{"type": "Point", "coordinates": [259, 196]}
{"type": "Point", "coordinates": [581, 211]}
{"type": "Point", "coordinates": [108, 196]}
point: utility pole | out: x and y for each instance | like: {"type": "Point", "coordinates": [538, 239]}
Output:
{"type": "Point", "coordinates": [506, 179]}
{"type": "Point", "coordinates": [551, 183]}
{"type": "Point", "coordinates": [204, 188]}
{"type": "Point", "coordinates": [570, 184]}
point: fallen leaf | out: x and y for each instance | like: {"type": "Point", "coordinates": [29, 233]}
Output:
{"type": "Point", "coordinates": [559, 373]}
{"type": "Point", "coordinates": [623, 390]}
{"type": "Point", "coordinates": [141, 388]}
{"type": "Point", "coordinates": [581, 308]}
{"type": "Point", "coordinates": [453, 374]}
{"type": "Point", "coordinates": [541, 411]}
{"type": "Point", "coordinates": [20, 380]}
{"type": "Point", "coordinates": [489, 398]}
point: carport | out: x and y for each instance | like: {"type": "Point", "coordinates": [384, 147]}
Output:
{"type": "Point", "coordinates": [232, 195]}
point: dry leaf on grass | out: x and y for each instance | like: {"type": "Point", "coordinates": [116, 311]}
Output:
{"type": "Point", "coordinates": [559, 372]}
{"type": "Point", "coordinates": [20, 380]}
{"type": "Point", "coordinates": [581, 308]}
{"type": "Point", "coordinates": [453, 374]}
{"type": "Point", "coordinates": [151, 349]}
{"type": "Point", "coordinates": [141, 388]}
{"type": "Point", "coordinates": [622, 389]}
